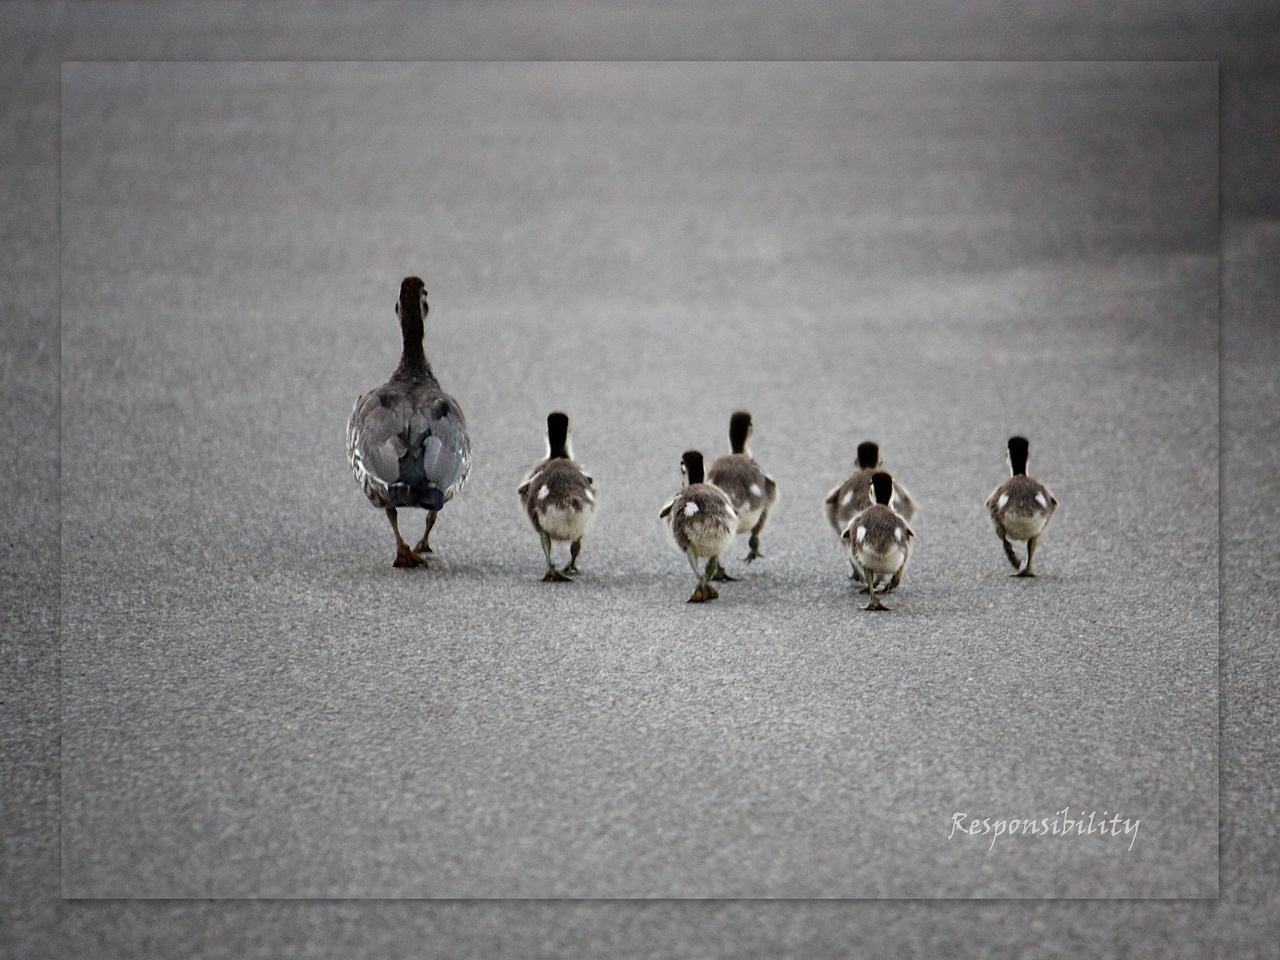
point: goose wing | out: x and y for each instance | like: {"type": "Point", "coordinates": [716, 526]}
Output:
{"type": "Point", "coordinates": [436, 434]}
{"type": "Point", "coordinates": [409, 446]}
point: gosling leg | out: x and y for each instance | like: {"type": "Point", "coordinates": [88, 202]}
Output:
{"type": "Point", "coordinates": [895, 580]}
{"type": "Point", "coordinates": [699, 593]}
{"type": "Point", "coordinates": [1031, 552]}
{"type": "Point", "coordinates": [721, 575]}
{"type": "Point", "coordinates": [875, 603]}
{"type": "Point", "coordinates": [574, 549]}
{"type": "Point", "coordinates": [708, 591]}
{"type": "Point", "coordinates": [1008, 547]}
{"type": "Point", "coordinates": [754, 542]}
{"type": "Point", "coordinates": [552, 574]}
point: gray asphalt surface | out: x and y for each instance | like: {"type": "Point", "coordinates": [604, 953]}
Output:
{"type": "Point", "coordinates": [220, 764]}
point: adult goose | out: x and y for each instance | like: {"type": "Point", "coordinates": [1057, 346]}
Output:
{"type": "Point", "coordinates": [407, 440]}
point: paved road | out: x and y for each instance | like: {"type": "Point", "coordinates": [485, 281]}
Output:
{"type": "Point", "coordinates": [257, 704]}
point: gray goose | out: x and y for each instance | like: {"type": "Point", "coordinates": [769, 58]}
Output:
{"type": "Point", "coordinates": [1021, 507]}
{"type": "Point", "coordinates": [407, 440]}
{"type": "Point", "coordinates": [559, 498]}
{"type": "Point", "coordinates": [702, 522]}
{"type": "Point", "coordinates": [879, 541]}
{"type": "Point", "coordinates": [751, 491]}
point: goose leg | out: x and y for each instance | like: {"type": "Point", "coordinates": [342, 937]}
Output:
{"type": "Point", "coordinates": [574, 549]}
{"type": "Point", "coordinates": [422, 545]}
{"type": "Point", "coordinates": [552, 573]}
{"type": "Point", "coordinates": [1031, 552]}
{"type": "Point", "coordinates": [404, 556]}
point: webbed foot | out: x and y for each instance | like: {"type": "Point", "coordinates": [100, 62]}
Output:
{"type": "Point", "coordinates": [407, 558]}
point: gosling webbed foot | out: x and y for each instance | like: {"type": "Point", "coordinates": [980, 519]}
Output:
{"type": "Point", "coordinates": [703, 592]}
{"type": "Point", "coordinates": [555, 576]}
{"type": "Point", "coordinates": [1026, 572]}
{"type": "Point", "coordinates": [721, 576]}
{"type": "Point", "coordinates": [875, 604]}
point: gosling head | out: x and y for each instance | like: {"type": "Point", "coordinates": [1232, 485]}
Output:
{"type": "Point", "coordinates": [558, 445]}
{"type": "Point", "coordinates": [881, 487]}
{"type": "Point", "coordinates": [691, 467]}
{"type": "Point", "coordinates": [868, 455]}
{"type": "Point", "coordinates": [740, 430]}
{"type": "Point", "coordinates": [1016, 456]}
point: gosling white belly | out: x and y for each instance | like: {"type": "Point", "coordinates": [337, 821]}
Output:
{"type": "Point", "coordinates": [704, 533]}
{"type": "Point", "coordinates": [561, 523]}
{"type": "Point", "coordinates": [1024, 527]}
{"type": "Point", "coordinates": [887, 561]}
{"type": "Point", "coordinates": [747, 519]}
{"type": "Point", "coordinates": [709, 538]}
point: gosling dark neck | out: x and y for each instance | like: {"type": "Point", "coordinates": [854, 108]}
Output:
{"type": "Point", "coordinates": [739, 429]}
{"type": "Point", "coordinates": [557, 436]}
{"type": "Point", "coordinates": [882, 487]}
{"type": "Point", "coordinates": [693, 469]}
{"type": "Point", "coordinates": [868, 455]}
{"type": "Point", "coordinates": [1018, 448]}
